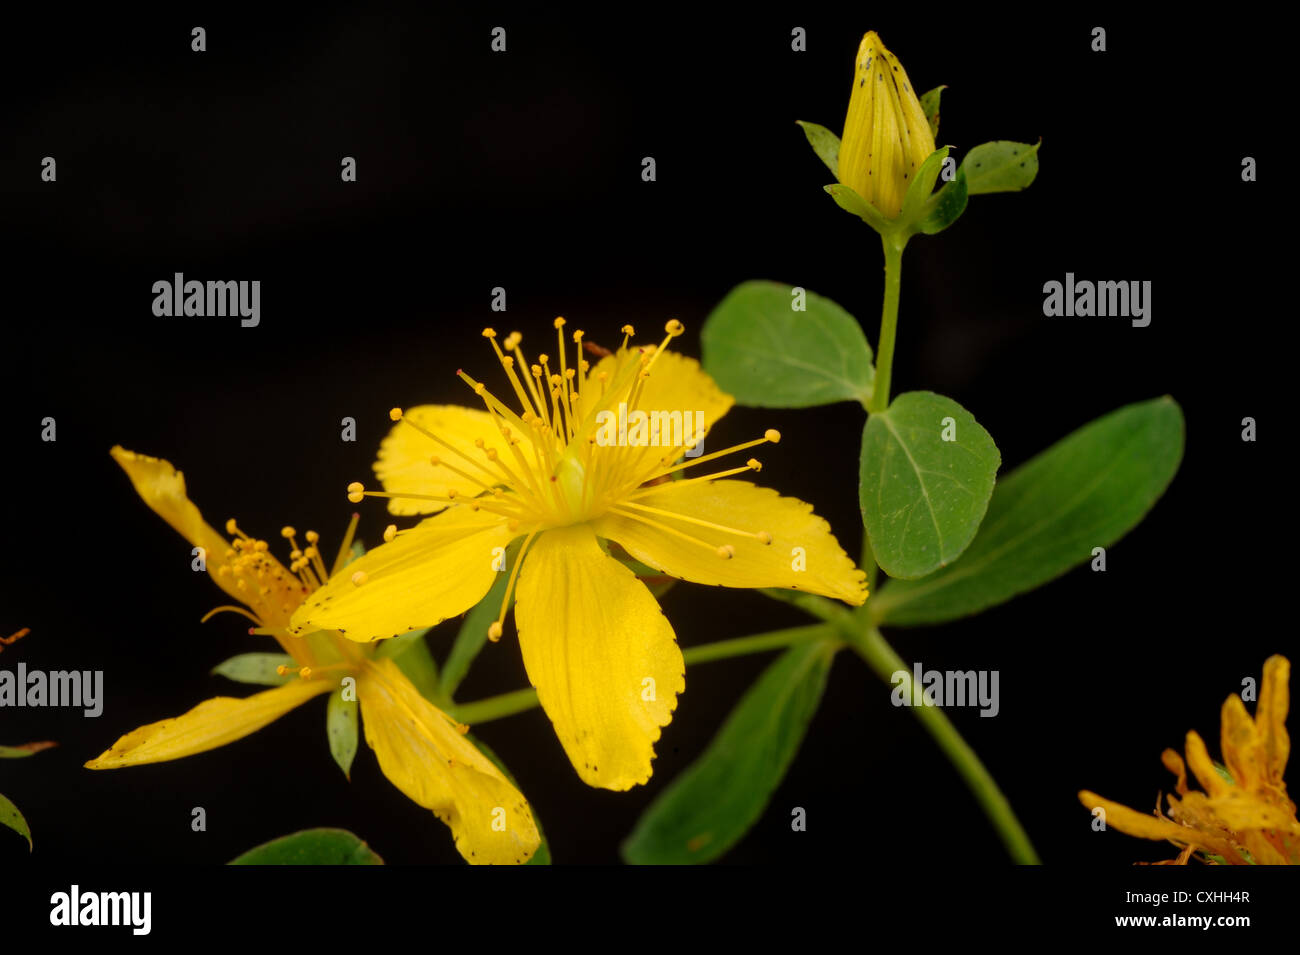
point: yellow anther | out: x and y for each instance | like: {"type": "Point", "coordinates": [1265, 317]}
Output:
{"type": "Point", "coordinates": [480, 389]}
{"type": "Point", "coordinates": [494, 631]}
{"type": "Point", "coordinates": [628, 330]}
{"type": "Point", "coordinates": [771, 434]}
{"type": "Point", "coordinates": [310, 552]}
{"type": "Point", "coordinates": [754, 464]}
{"type": "Point", "coordinates": [559, 322]}
{"type": "Point", "coordinates": [312, 537]}
{"type": "Point", "coordinates": [305, 673]}
{"type": "Point", "coordinates": [435, 460]}
{"type": "Point", "coordinates": [726, 552]}
{"type": "Point", "coordinates": [390, 533]}
{"type": "Point", "coordinates": [764, 537]}
{"type": "Point", "coordinates": [282, 670]}
{"type": "Point", "coordinates": [261, 546]}
{"type": "Point", "coordinates": [674, 327]}
{"type": "Point", "coordinates": [507, 362]}
{"type": "Point", "coordinates": [231, 527]}
{"type": "Point", "coordinates": [541, 359]}
{"type": "Point", "coordinates": [489, 333]}
{"type": "Point", "coordinates": [287, 531]}
{"type": "Point", "coordinates": [536, 370]}
{"type": "Point", "coordinates": [359, 578]}
{"type": "Point", "coordinates": [577, 336]}
{"type": "Point", "coordinates": [295, 554]}
{"type": "Point", "coordinates": [395, 414]}
{"type": "Point", "coordinates": [452, 493]}
{"type": "Point", "coordinates": [512, 341]}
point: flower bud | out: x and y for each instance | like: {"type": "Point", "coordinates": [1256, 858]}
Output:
{"type": "Point", "coordinates": [886, 135]}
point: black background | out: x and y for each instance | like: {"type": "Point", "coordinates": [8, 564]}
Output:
{"type": "Point", "coordinates": [523, 170]}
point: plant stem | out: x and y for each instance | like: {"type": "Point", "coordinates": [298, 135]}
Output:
{"type": "Point", "coordinates": [886, 663]}
{"type": "Point", "coordinates": [518, 701]}
{"type": "Point", "coordinates": [893, 246]}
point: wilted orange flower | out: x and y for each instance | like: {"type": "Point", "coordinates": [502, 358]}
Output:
{"type": "Point", "coordinates": [1244, 816]}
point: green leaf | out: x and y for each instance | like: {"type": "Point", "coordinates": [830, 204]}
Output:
{"type": "Point", "coordinates": [930, 106]}
{"type": "Point", "coordinates": [766, 354]}
{"type": "Point", "coordinates": [26, 749]}
{"type": "Point", "coordinates": [341, 728]}
{"type": "Point", "coordinates": [1000, 166]}
{"type": "Point", "coordinates": [410, 652]}
{"type": "Point", "coordinates": [1087, 490]}
{"type": "Point", "coordinates": [11, 817]}
{"type": "Point", "coordinates": [710, 806]}
{"type": "Point", "coordinates": [473, 634]}
{"type": "Point", "coordinates": [825, 144]}
{"type": "Point", "coordinates": [918, 193]}
{"type": "Point", "coordinates": [927, 473]}
{"type": "Point", "coordinates": [945, 206]}
{"type": "Point", "coordinates": [543, 854]}
{"type": "Point", "coordinates": [256, 668]}
{"type": "Point", "coordinates": [850, 201]}
{"type": "Point", "coordinates": [311, 847]}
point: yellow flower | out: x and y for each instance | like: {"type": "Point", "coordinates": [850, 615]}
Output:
{"type": "Point", "coordinates": [422, 751]}
{"type": "Point", "coordinates": [561, 474]}
{"type": "Point", "coordinates": [886, 135]}
{"type": "Point", "coordinates": [1244, 815]}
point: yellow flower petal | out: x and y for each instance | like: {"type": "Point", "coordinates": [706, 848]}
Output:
{"type": "Point", "coordinates": [162, 487]}
{"type": "Point", "coordinates": [1270, 717]}
{"type": "Point", "coordinates": [1240, 810]}
{"type": "Point", "coordinates": [405, 454]}
{"type": "Point", "coordinates": [1239, 744]}
{"type": "Point", "coordinates": [211, 724]}
{"type": "Point", "coordinates": [1144, 826]}
{"type": "Point", "coordinates": [436, 570]}
{"type": "Point", "coordinates": [886, 135]}
{"type": "Point", "coordinates": [803, 555]}
{"type": "Point", "coordinates": [423, 755]}
{"type": "Point", "coordinates": [1202, 767]}
{"type": "Point", "coordinates": [601, 654]}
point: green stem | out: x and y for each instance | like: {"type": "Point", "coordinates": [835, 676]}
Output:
{"type": "Point", "coordinates": [887, 664]}
{"type": "Point", "coordinates": [893, 246]}
{"type": "Point", "coordinates": [518, 701]}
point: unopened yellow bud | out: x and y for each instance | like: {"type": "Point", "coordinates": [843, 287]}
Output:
{"type": "Point", "coordinates": [886, 134]}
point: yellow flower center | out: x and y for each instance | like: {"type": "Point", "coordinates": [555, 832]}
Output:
{"type": "Point", "coordinates": [557, 465]}
{"type": "Point", "coordinates": [273, 592]}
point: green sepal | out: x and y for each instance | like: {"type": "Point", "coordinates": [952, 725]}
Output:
{"type": "Point", "coordinates": [930, 106]}
{"type": "Point", "coordinates": [259, 668]}
{"type": "Point", "coordinates": [825, 144]}
{"type": "Point", "coordinates": [341, 729]}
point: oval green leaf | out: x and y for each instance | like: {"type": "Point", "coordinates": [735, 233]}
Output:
{"type": "Point", "coordinates": [1087, 490]}
{"type": "Point", "coordinates": [710, 806]}
{"type": "Point", "coordinates": [1000, 166]}
{"type": "Point", "coordinates": [926, 475]}
{"type": "Point", "coordinates": [13, 819]}
{"type": "Point", "coordinates": [766, 354]}
{"type": "Point", "coordinates": [311, 847]}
